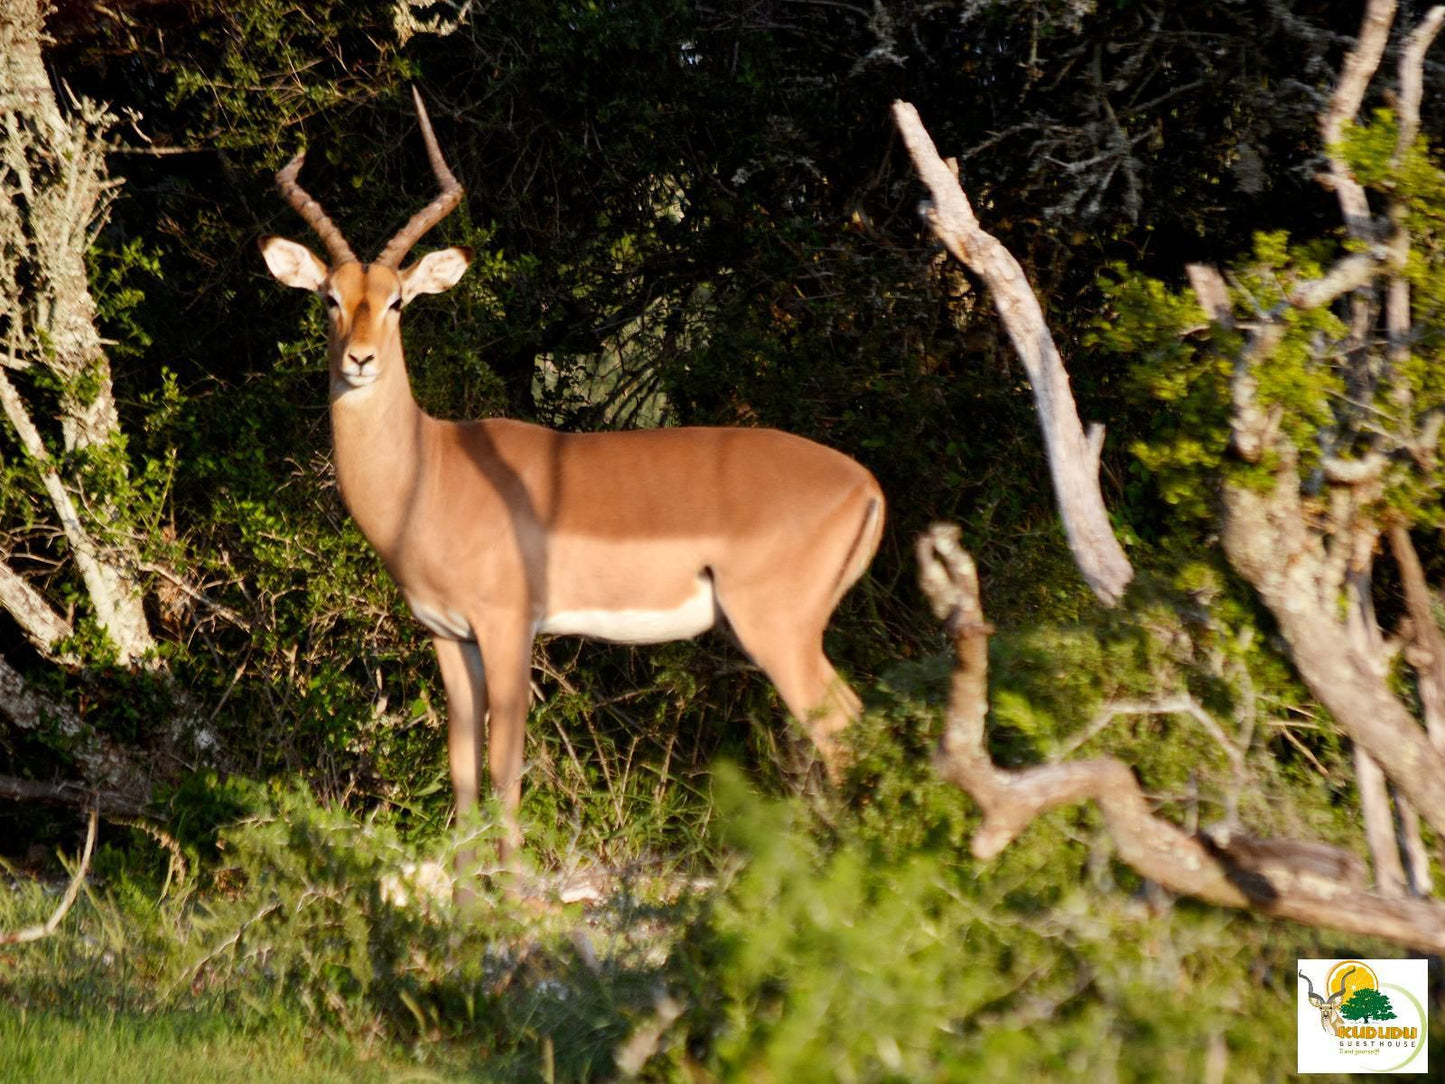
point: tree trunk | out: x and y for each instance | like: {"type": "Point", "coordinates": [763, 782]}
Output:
{"type": "Point", "coordinates": [54, 193]}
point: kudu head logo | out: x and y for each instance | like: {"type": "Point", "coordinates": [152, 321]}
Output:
{"type": "Point", "coordinates": [1329, 1007]}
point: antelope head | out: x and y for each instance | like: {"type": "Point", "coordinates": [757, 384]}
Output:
{"type": "Point", "coordinates": [1330, 1018]}
{"type": "Point", "coordinates": [364, 300]}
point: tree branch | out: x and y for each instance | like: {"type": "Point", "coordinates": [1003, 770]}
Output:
{"type": "Point", "coordinates": [1306, 882]}
{"type": "Point", "coordinates": [1412, 77]}
{"type": "Point", "coordinates": [1426, 653]}
{"type": "Point", "coordinates": [120, 615]}
{"type": "Point", "coordinates": [40, 622]}
{"type": "Point", "coordinates": [1360, 66]}
{"type": "Point", "coordinates": [113, 804]}
{"type": "Point", "coordinates": [1073, 461]}
{"type": "Point", "coordinates": [103, 766]}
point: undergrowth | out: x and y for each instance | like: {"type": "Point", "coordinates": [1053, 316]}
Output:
{"type": "Point", "coordinates": [736, 929]}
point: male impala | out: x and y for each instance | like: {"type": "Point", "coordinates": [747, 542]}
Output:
{"type": "Point", "coordinates": [497, 530]}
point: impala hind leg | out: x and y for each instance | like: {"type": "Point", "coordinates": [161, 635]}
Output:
{"type": "Point", "coordinates": [792, 657]}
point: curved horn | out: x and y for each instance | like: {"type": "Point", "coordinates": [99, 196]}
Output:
{"type": "Point", "coordinates": [1315, 998]}
{"type": "Point", "coordinates": [1340, 993]}
{"type": "Point", "coordinates": [311, 211]}
{"type": "Point", "coordinates": [437, 209]}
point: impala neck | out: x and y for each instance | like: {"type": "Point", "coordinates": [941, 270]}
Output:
{"type": "Point", "coordinates": [379, 434]}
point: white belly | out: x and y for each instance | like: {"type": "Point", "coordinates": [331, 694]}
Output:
{"type": "Point", "coordinates": [697, 614]}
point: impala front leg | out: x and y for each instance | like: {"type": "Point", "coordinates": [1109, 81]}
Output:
{"type": "Point", "coordinates": [507, 652]}
{"type": "Point", "coordinates": [466, 686]}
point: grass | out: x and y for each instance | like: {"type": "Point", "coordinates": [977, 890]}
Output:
{"type": "Point", "coordinates": [180, 1048]}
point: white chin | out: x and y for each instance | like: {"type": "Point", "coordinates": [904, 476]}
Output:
{"type": "Point", "coordinates": [353, 381]}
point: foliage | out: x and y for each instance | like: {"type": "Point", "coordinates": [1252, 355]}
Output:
{"type": "Point", "coordinates": [1304, 380]}
{"type": "Point", "coordinates": [1367, 1004]}
{"type": "Point", "coordinates": [849, 962]}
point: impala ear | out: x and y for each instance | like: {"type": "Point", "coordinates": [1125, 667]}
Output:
{"type": "Point", "coordinates": [293, 264]}
{"type": "Point", "coordinates": [434, 272]}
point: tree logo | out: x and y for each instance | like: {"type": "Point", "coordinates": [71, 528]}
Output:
{"type": "Point", "coordinates": [1366, 1004]}
{"type": "Point", "coordinates": [1365, 1016]}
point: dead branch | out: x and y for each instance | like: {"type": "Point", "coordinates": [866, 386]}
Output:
{"type": "Point", "coordinates": [1181, 703]}
{"type": "Point", "coordinates": [113, 804]}
{"type": "Point", "coordinates": [49, 217]}
{"type": "Point", "coordinates": [1073, 466]}
{"type": "Point", "coordinates": [1268, 541]}
{"type": "Point", "coordinates": [1347, 275]}
{"type": "Point", "coordinates": [104, 766]}
{"type": "Point", "coordinates": [1299, 568]}
{"type": "Point", "coordinates": [48, 927]}
{"type": "Point", "coordinates": [1360, 66]}
{"type": "Point", "coordinates": [1253, 429]}
{"type": "Point", "coordinates": [115, 608]}
{"type": "Point", "coordinates": [1412, 77]}
{"type": "Point", "coordinates": [42, 624]}
{"type": "Point", "coordinates": [1306, 882]}
{"type": "Point", "coordinates": [1426, 653]}
{"type": "Point", "coordinates": [1378, 824]}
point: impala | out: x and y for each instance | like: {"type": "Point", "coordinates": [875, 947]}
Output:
{"type": "Point", "coordinates": [496, 530]}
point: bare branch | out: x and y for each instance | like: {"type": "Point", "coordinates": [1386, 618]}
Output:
{"type": "Point", "coordinates": [117, 611]}
{"type": "Point", "coordinates": [1379, 825]}
{"type": "Point", "coordinates": [1354, 472]}
{"type": "Point", "coordinates": [1397, 295]}
{"type": "Point", "coordinates": [1412, 849]}
{"type": "Point", "coordinates": [1348, 274]}
{"type": "Point", "coordinates": [1209, 287]}
{"type": "Point", "coordinates": [1412, 81]}
{"type": "Point", "coordinates": [1306, 882]}
{"type": "Point", "coordinates": [1269, 542]}
{"type": "Point", "coordinates": [1360, 66]}
{"type": "Point", "coordinates": [103, 765]}
{"type": "Point", "coordinates": [40, 622]}
{"type": "Point", "coordinates": [1073, 463]}
{"type": "Point", "coordinates": [1427, 651]}
{"type": "Point", "coordinates": [1252, 429]}
{"type": "Point", "coordinates": [1180, 703]}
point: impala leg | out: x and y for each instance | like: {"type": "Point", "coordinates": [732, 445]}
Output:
{"type": "Point", "coordinates": [508, 655]}
{"type": "Point", "coordinates": [793, 658]}
{"type": "Point", "coordinates": [466, 687]}
{"type": "Point", "coordinates": [821, 701]}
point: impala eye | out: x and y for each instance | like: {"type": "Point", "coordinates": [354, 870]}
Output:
{"type": "Point", "coordinates": [331, 302]}
{"type": "Point", "coordinates": [396, 305]}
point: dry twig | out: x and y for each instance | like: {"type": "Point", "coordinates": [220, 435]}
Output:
{"type": "Point", "coordinates": [48, 927]}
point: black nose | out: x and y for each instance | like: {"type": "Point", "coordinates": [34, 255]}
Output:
{"type": "Point", "coordinates": [362, 360]}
